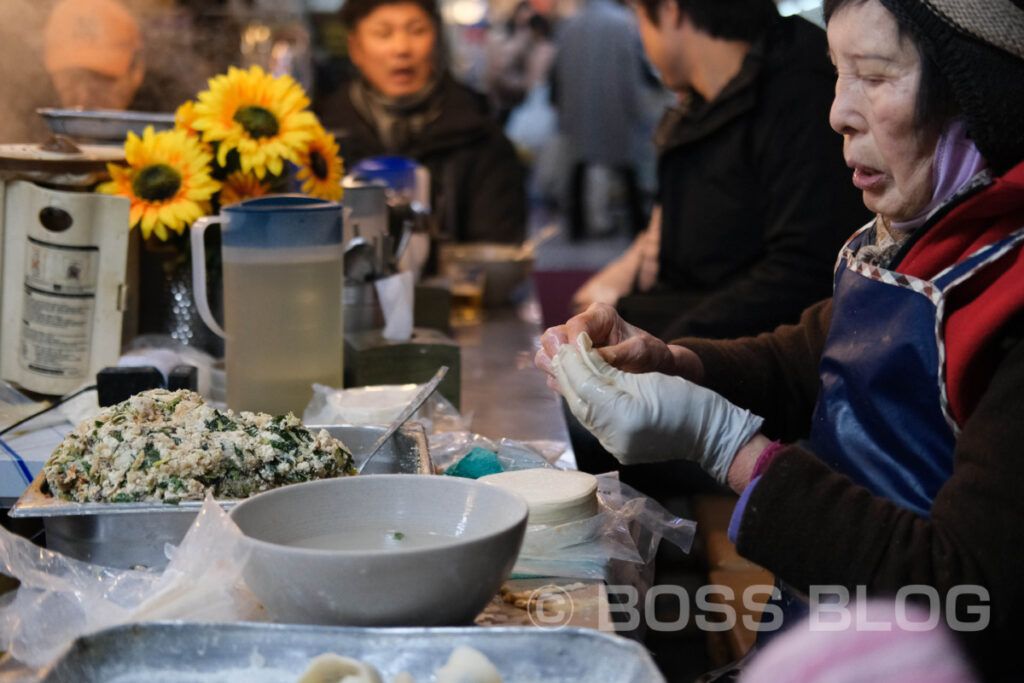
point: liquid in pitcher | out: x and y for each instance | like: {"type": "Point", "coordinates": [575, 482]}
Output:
{"type": "Point", "coordinates": [283, 316]}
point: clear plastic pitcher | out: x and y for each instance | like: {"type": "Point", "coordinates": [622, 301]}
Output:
{"type": "Point", "coordinates": [282, 266]}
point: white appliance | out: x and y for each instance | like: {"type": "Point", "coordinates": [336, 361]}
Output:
{"type": "Point", "coordinates": [62, 266]}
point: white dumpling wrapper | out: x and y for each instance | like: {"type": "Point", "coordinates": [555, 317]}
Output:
{"type": "Point", "coordinates": [333, 668]}
{"type": "Point", "coordinates": [553, 496]}
{"type": "Point", "coordinates": [467, 665]}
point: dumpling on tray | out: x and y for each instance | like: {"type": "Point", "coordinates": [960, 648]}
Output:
{"type": "Point", "coordinates": [171, 446]}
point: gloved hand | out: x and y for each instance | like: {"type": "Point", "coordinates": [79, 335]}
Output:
{"type": "Point", "coordinates": [651, 417]}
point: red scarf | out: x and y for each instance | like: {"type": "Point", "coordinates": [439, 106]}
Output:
{"type": "Point", "coordinates": [978, 311]}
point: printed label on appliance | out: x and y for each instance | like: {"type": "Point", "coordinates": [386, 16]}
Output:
{"type": "Point", "coordinates": [60, 296]}
{"type": "Point", "coordinates": [61, 269]}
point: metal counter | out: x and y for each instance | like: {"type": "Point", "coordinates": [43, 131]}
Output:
{"type": "Point", "coordinates": [502, 387]}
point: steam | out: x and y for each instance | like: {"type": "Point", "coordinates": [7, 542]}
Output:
{"type": "Point", "coordinates": [184, 44]}
{"type": "Point", "coordinates": [24, 83]}
{"type": "Point", "coordinates": [182, 48]}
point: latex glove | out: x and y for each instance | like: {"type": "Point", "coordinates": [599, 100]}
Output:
{"type": "Point", "coordinates": [651, 417]}
{"type": "Point", "coordinates": [624, 346]}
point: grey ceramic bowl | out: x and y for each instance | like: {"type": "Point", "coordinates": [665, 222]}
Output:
{"type": "Point", "coordinates": [420, 550]}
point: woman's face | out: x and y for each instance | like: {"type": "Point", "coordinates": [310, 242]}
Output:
{"type": "Point", "coordinates": [393, 47]}
{"type": "Point", "coordinates": [876, 91]}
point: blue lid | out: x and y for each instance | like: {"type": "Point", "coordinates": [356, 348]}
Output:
{"type": "Point", "coordinates": [282, 220]}
{"type": "Point", "coordinates": [398, 172]}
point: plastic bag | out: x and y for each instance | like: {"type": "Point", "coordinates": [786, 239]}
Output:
{"type": "Point", "coordinates": [61, 598]}
{"type": "Point", "coordinates": [379, 404]}
{"type": "Point", "coordinates": [533, 123]}
{"type": "Point", "coordinates": [447, 448]}
{"type": "Point", "coordinates": [617, 545]}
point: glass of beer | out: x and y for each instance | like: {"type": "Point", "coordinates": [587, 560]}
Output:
{"type": "Point", "coordinates": [467, 282]}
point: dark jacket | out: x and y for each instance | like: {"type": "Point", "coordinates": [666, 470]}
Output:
{"type": "Point", "coordinates": [812, 526]}
{"type": "Point", "coordinates": [477, 181]}
{"type": "Point", "coordinates": [756, 198]}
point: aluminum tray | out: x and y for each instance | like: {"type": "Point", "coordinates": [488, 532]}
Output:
{"type": "Point", "coordinates": [262, 653]}
{"type": "Point", "coordinates": [133, 534]}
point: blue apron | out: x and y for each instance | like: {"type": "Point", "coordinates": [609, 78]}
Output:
{"type": "Point", "coordinates": [882, 416]}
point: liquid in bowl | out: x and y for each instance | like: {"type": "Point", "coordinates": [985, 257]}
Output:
{"type": "Point", "coordinates": [371, 540]}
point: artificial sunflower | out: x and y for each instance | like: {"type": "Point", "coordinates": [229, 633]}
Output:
{"type": "Point", "coordinates": [320, 167]}
{"type": "Point", "coordinates": [260, 116]}
{"type": "Point", "coordinates": [185, 118]}
{"type": "Point", "coordinates": [167, 179]}
{"type": "Point", "coordinates": [238, 186]}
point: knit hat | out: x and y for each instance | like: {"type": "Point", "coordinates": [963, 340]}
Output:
{"type": "Point", "coordinates": [978, 46]}
{"type": "Point", "coordinates": [100, 35]}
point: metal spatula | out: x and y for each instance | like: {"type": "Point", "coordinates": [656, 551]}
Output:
{"type": "Point", "coordinates": [422, 395]}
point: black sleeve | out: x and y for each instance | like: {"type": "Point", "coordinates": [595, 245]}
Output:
{"type": "Point", "coordinates": [774, 374]}
{"type": "Point", "coordinates": [810, 525]}
{"type": "Point", "coordinates": [494, 203]}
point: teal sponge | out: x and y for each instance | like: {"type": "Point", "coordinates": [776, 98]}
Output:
{"type": "Point", "coordinates": [476, 464]}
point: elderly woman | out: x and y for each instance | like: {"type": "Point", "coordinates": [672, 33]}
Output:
{"type": "Point", "coordinates": [899, 402]}
{"type": "Point", "coordinates": [404, 102]}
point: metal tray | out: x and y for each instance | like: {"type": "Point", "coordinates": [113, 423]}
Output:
{"type": "Point", "coordinates": [133, 534]}
{"type": "Point", "coordinates": [258, 653]}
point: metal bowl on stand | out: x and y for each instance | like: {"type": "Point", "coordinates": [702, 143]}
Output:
{"type": "Point", "coordinates": [103, 125]}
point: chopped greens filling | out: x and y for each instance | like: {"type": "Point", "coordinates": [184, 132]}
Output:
{"type": "Point", "coordinates": [172, 446]}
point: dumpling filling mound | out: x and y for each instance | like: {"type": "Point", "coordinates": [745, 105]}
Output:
{"type": "Point", "coordinates": [171, 446]}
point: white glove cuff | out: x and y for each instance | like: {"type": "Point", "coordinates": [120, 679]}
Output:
{"type": "Point", "coordinates": [735, 433]}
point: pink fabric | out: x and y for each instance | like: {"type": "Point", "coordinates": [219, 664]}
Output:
{"type": "Point", "coordinates": [956, 161]}
{"type": "Point", "coordinates": [765, 459]}
{"type": "Point", "coordinates": [874, 648]}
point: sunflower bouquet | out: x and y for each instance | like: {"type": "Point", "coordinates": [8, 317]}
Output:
{"type": "Point", "coordinates": [248, 135]}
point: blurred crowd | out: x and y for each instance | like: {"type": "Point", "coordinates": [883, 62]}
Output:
{"type": "Point", "coordinates": [151, 55]}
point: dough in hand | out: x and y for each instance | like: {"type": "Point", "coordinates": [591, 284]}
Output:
{"type": "Point", "coordinates": [333, 668]}
{"type": "Point", "coordinates": [467, 665]}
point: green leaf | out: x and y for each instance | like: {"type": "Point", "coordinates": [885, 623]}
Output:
{"type": "Point", "coordinates": [220, 423]}
{"type": "Point", "coordinates": [152, 456]}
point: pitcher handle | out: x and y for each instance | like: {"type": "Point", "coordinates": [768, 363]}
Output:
{"type": "Point", "coordinates": [199, 273]}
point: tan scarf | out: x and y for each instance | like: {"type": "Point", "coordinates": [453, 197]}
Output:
{"type": "Point", "coordinates": [398, 120]}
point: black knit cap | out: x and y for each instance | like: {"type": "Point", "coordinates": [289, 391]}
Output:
{"type": "Point", "coordinates": [354, 11]}
{"type": "Point", "coordinates": [978, 46]}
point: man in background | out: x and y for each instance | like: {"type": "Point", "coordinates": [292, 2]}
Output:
{"type": "Point", "coordinates": [754, 198]}
{"type": "Point", "coordinates": [599, 87]}
{"type": "Point", "coordinates": [93, 53]}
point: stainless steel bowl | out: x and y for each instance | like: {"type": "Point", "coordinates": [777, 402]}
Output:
{"type": "Point", "coordinates": [103, 125]}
